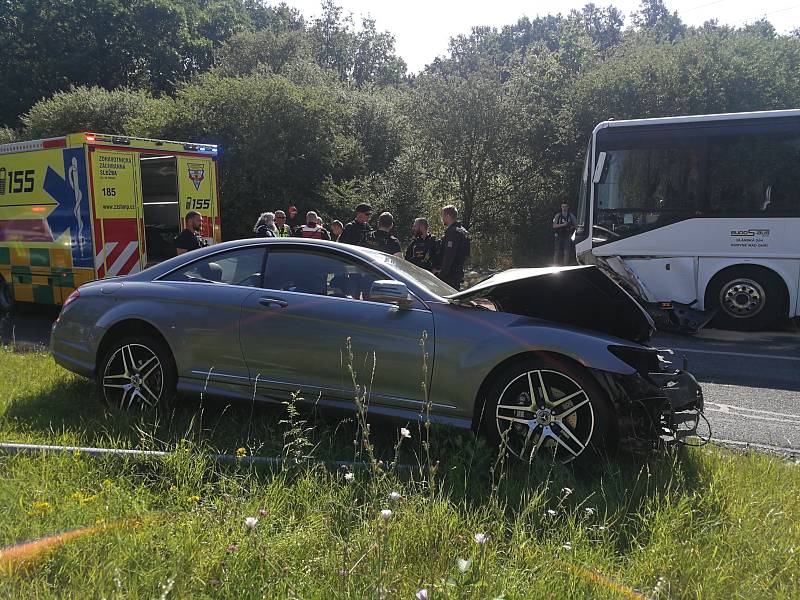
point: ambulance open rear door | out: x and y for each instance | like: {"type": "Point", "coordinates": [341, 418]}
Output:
{"type": "Point", "coordinates": [118, 228]}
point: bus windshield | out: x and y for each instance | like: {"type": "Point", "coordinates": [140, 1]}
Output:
{"type": "Point", "coordinates": [651, 181]}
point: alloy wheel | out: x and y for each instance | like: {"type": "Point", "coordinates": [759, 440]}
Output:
{"type": "Point", "coordinates": [545, 411]}
{"type": "Point", "coordinates": [133, 376]}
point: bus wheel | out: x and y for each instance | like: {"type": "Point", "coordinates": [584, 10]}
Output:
{"type": "Point", "coordinates": [747, 298]}
{"type": "Point", "coordinates": [6, 296]}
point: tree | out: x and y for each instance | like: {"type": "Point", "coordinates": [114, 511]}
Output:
{"type": "Point", "coordinates": [654, 17]}
{"type": "Point", "coordinates": [50, 45]}
{"type": "Point", "coordinates": [122, 111]}
{"type": "Point", "coordinates": [462, 124]}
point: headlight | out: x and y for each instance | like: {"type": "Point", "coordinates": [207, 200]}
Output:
{"type": "Point", "coordinates": [644, 360]}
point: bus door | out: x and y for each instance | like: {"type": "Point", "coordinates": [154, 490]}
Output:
{"type": "Point", "coordinates": [118, 229]}
{"type": "Point", "coordinates": [197, 188]}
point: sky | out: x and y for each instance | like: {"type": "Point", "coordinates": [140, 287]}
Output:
{"type": "Point", "coordinates": [423, 28]}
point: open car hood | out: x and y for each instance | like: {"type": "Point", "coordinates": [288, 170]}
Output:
{"type": "Point", "coordinates": [581, 296]}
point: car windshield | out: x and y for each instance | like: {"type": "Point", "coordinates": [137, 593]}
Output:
{"type": "Point", "coordinates": [425, 278]}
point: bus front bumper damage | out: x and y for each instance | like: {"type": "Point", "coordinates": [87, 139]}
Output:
{"type": "Point", "coordinates": [667, 316]}
{"type": "Point", "coordinates": [655, 410]}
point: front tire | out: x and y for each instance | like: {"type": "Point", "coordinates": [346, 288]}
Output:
{"type": "Point", "coordinates": [138, 373]}
{"type": "Point", "coordinates": [548, 407]}
{"type": "Point", "coordinates": [746, 298]}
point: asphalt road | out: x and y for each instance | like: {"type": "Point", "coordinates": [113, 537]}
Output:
{"type": "Point", "coordinates": [751, 381]}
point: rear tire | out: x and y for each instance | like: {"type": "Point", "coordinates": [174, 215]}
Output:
{"type": "Point", "coordinates": [138, 373]}
{"type": "Point", "coordinates": [747, 298]}
{"type": "Point", "coordinates": [548, 406]}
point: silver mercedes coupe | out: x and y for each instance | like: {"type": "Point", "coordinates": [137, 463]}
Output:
{"type": "Point", "coordinates": [551, 362]}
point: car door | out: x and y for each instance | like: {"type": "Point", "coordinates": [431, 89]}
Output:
{"type": "Point", "coordinates": [295, 332]}
{"type": "Point", "coordinates": [207, 297]}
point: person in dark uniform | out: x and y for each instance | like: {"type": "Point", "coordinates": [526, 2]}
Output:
{"type": "Point", "coordinates": [423, 250]}
{"type": "Point", "coordinates": [384, 240]}
{"type": "Point", "coordinates": [454, 248]}
{"type": "Point", "coordinates": [358, 232]}
{"type": "Point", "coordinates": [189, 239]}
{"type": "Point", "coordinates": [563, 226]}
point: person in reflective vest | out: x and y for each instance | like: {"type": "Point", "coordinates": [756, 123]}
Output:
{"type": "Point", "coordinates": [281, 228]}
{"type": "Point", "coordinates": [312, 229]}
{"type": "Point", "coordinates": [423, 250]}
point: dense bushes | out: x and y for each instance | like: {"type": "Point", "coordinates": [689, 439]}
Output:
{"type": "Point", "coordinates": [322, 115]}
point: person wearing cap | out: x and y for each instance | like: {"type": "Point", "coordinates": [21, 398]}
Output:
{"type": "Point", "coordinates": [312, 229]}
{"type": "Point", "coordinates": [281, 228]}
{"type": "Point", "coordinates": [384, 240]}
{"type": "Point", "coordinates": [358, 232]}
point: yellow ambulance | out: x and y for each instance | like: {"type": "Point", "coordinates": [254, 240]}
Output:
{"type": "Point", "coordinates": [88, 205]}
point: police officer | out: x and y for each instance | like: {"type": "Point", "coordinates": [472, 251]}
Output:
{"type": "Point", "coordinates": [358, 232]}
{"type": "Point", "coordinates": [423, 250]}
{"type": "Point", "coordinates": [384, 240]}
{"type": "Point", "coordinates": [454, 248]}
{"type": "Point", "coordinates": [563, 226]}
{"type": "Point", "coordinates": [190, 239]}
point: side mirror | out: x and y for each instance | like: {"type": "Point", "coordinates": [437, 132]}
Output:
{"type": "Point", "coordinates": [391, 292]}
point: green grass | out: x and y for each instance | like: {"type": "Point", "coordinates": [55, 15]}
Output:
{"type": "Point", "coordinates": [704, 523]}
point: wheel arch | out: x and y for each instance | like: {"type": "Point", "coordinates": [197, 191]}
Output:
{"type": "Point", "coordinates": [129, 327]}
{"type": "Point", "coordinates": [480, 398]}
{"type": "Point", "coordinates": [710, 271]}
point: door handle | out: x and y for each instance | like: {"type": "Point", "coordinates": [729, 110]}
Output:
{"type": "Point", "coordinates": [273, 302]}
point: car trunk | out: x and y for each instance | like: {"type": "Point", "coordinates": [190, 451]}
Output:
{"type": "Point", "coordinates": [579, 296]}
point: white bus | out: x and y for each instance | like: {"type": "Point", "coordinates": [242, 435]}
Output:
{"type": "Point", "coordinates": [698, 213]}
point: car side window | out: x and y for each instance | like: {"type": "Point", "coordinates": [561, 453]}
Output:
{"type": "Point", "coordinates": [318, 273]}
{"type": "Point", "coordinates": [237, 267]}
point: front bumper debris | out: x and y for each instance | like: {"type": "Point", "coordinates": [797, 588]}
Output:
{"type": "Point", "coordinates": [656, 410]}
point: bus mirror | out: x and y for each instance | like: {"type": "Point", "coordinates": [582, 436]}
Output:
{"type": "Point", "coordinates": [598, 170]}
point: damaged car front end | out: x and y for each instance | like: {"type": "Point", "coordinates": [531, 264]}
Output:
{"type": "Point", "coordinates": [656, 406]}
{"type": "Point", "coordinates": [654, 403]}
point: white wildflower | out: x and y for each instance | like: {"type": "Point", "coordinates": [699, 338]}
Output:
{"type": "Point", "coordinates": [385, 514]}
{"type": "Point", "coordinates": [404, 432]}
{"type": "Point", "coordinates": [589, 511]}
{"type": "Point", "coordinates": [463, 564]}
{"type": "Point", "coordinates": [567, 546]}
{"type": "Point", "coordinates": [566, 491]}
{"type": "Point", "coordinates": [394, 496]}
{"type": "Point", "coordinates": [348, 477]}
{"type": "Point", "coordinates": [551, 512]}
{"type": "Point", "coordinates": [481, 538]}
{"type": "Point", "coordinates": [250, 522]}
{"type": "Point", "coordinates": [422, 594]}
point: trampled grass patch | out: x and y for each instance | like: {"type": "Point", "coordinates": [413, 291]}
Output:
{"type": "Point", "coordinates": [704, 523]}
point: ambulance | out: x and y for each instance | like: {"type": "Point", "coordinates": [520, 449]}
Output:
{"type": "Point", "coordinates": [88, 205]}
